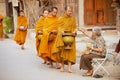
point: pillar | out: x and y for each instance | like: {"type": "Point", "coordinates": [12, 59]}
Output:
{"type": "Point", "coordinates": [15, 13]}
{"type": "Point", "coordinates": [81, 13]}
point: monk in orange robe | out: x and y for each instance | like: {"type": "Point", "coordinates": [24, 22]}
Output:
{"type": "Point", "coordinates": [48, 38]}
{"type": "Point", "coordinates": [65, 23]}
{"type": "Point", "coordinates": [39, 31]}
{"type": "Point", "coordinates": [1, 27]}
{"type": "Point", "coordinates": [21, 30]}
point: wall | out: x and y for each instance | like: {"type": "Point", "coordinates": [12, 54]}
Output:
{"type": "Point", "coordinates": [3, 7]}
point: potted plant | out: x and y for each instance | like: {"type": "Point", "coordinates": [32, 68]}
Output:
{"type": "Point", "coordinates": [7, 26]}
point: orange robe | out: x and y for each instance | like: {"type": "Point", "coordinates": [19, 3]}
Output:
{"type": "Point", "coordinates": [39, 27]}
{"type": "Point", "coordinates": [1, 27]}
{"type": "Point", "coordinates": [65, 23]}
{"type": "Point", "coordinates": [20, 36]}
{"type": "Point", "coordinates": [45, 46]}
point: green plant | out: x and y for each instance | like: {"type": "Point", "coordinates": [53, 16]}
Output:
{"type": "Point", "coordinates": [7, 24]}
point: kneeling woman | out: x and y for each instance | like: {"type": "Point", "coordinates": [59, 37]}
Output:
{"type": "Point", "coordinates": [98, 50]}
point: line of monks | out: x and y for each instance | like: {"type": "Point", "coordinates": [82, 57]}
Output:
{"type": "Point", "coordinates": [49, 31]}
{"type": "Point", "coordinates": [50, 45]}
{"type": "Point", "coordinates": [49, 42]}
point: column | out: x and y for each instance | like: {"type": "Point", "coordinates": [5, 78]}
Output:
{"type": "Point", "coordinates": [81, 13]}
{"type": "Point", "coordinates": [118, 20]}
{"type": "Point", "coordinates": [15, 13]}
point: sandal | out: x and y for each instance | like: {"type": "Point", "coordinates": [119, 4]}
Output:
{"type": "Point", "coordinates": [87, 74]}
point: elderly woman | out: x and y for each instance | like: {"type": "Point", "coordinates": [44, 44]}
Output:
{"type": "Point", "coordinates": [97, 51]}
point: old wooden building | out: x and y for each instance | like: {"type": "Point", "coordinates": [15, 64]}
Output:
{"type": "Point", "coordinates": [88, 13]}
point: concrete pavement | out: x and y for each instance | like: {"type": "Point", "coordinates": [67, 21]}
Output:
{"type": "Point", "coordinates": [17, 64]}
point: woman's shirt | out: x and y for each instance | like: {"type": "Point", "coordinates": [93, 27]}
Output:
{"type": "Point", "coordinates": [99, 43]}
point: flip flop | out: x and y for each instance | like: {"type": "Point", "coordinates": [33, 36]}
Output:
{"type": "Point", "coordinates": [87, 75]}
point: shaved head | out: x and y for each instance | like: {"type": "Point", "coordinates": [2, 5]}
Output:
{"type": "Point", "coordinates": [67, 7]}
{"type": "Point", "coordinates": [68, 10]}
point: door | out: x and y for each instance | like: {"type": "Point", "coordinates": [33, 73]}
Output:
{"type": "Point", "coordinates": [99, 12]}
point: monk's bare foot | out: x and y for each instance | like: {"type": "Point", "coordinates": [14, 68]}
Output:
{"type": "Point", "coordinates": [44, 62]}
{"type": "Point", "coordinates": [51, 66]}
{"type": "Point", "coordinates": [1, 39]}
{"type": "Point", "coordinates": [48, 63]}
{"type": "Point", "coordinates": [62, 70]}
{"type": "Point", "coordinates": [22, 48]}
{"type": "Point", "coordinates": [69, 71]}
{"type": "Point", "coordinates": [58, 67]}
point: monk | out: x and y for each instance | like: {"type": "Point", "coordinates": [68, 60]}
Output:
{"type": "Point", "coordinates": [48, 38]}
{"type": "Point", "coordinates": [39, 30]}
{"type": "Point", "coordinates": [68, 57]}
{"type": "Point", "coordinates": [1, 26]}
{"type": "Point", "coordinates": [21, 30]}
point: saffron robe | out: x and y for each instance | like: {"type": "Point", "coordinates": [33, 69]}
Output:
{"type": "Point", "coordinates": [1, 26]}
{"type": "Point", "coordinates": [39, 27]}
{"type": "Point", "coordinates": [65, 23]}
{"type": "Point", "coordinates": [46, 46]}
{"type": "Point", "coordinates": [20, 35]}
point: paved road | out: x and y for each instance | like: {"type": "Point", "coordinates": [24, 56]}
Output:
{"type": "Point", "coordinates": [17, 64]}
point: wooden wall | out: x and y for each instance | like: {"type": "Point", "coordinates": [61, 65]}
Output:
{"type": "Point", "coordinates": [61, 4]}
{"type": "Point", "coordinates": [99, 12]}
{"type": "Point", "coordinates": [3, 7]}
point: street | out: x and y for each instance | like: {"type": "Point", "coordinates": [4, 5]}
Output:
{"type": "Point", "coordinates": [17, 64]}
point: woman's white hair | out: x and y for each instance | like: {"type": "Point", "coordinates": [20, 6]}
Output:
{"type": "Point", "coordinates": [97, 30]}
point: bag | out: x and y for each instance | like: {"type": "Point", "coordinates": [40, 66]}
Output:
{"type": "Point", "coordinates": [97, 76]}
{"type": "Point", "coordinates": [22, 28]}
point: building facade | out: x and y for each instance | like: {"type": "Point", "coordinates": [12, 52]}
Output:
{"type": "Point", "coordinates": [88, 13]}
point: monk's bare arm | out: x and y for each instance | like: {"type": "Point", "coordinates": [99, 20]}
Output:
{"type": "Point", "coordinates": [84, 32]}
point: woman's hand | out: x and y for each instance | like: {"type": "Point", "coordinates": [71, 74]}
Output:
{"type": "Point", "coordinates": [97, 49]}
